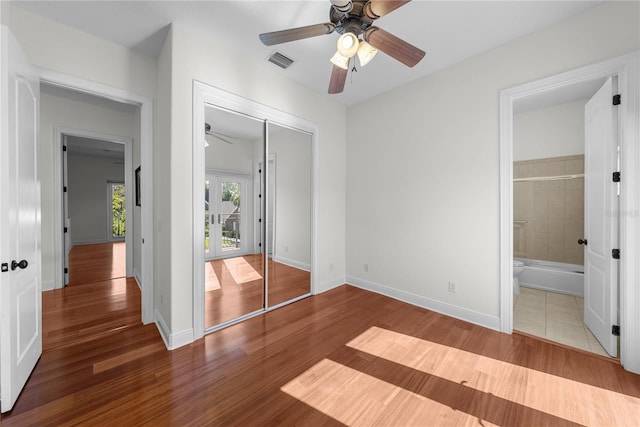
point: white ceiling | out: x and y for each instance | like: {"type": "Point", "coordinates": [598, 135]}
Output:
{"type": "Point", "coordinates": [95, 148]}
{"type": "Point", "coordinates": [449, 31]}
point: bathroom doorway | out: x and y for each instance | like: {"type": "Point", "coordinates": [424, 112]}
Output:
{"type": "Point", "coordinates": [560, 170]}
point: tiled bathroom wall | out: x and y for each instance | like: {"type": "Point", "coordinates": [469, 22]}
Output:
{"type": "Point", "coordinates": [549, 214]}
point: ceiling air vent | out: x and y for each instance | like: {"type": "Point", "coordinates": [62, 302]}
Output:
{"type": "Point", "coordinates": [280, 60]}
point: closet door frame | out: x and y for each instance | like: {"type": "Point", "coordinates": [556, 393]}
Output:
{"type": "Point", "coordinates": [204, 94]}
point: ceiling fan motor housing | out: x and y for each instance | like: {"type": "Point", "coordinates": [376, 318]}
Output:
{"type": "Point", "coordinates": [355, 21]}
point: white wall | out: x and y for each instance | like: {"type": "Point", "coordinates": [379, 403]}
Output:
{"type": "Point", "coordinates": [163, 250]}
{"type": "Point", "coordinates": [237, 157]}
{"type": "Point", "coordinates": [87, 192]}
{"type": "Point", "coordinates": [549, 132]}
{"type": "Point", "coordinates": [56, 47]}
{"type": "Point", "coordinates": [56, 111]}
{"type": "Point", "coordinates": [423, 177]}
{"type": "Point", "coordinates": [231, 73]}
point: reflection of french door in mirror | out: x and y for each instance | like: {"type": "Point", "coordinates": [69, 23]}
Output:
{"type": "Point", "coordinates": [224, 219]}
{"type": "Point", "coordinates": [246, 205]}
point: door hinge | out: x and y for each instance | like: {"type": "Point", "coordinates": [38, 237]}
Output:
{"type": "Point", "coordinates": [64, 189]}
{"type": "Point", "coordinates": [616, 99]}
{"type": "Point", "coordinates": [615, 253]}
{"type": "Point", "coordinates": [259, 219]}
{"type": "Point", "coordinates": [64, 148]}
{"type": "Point", "coordinates": [259, 245]}
{"type": "Point", "coordinates": [615, 330]}
{"type": "Point", "coordinates": [616, 177]}
{"type": "Point", "coordinates": [66, 270]}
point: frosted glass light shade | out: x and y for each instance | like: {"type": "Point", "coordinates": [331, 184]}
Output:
{"type": "Point", "coordinates": [348, 45]}
{"type": "Point", "coordinates": [366, 52]}
{"type": "Point", "coordinates": [340, 61]}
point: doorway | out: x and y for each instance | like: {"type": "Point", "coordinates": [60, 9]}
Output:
{"type": "Point", "coordinates": [96, 194]}
{"type": "Point", "coordinates": [143, 264]}
{"type": "Point", "coordinates": [556, 168]}
{"type": "Point", "coordinates": [625, 68]}
{"type": "Point", "coordinates": [225, 221]}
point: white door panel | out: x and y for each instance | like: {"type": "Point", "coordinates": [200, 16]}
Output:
{"type": "Point", "coordinates": [20, 281]}
{"type": "Point", "coordinates": [601, 224]}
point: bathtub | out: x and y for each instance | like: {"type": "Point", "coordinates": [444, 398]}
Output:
{"type": "Point", "coordinates": [553, 276]}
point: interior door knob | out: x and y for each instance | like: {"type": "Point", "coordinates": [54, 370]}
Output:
{"type": "Point", "coordinates": [22, 264]}
{"type": "Point", "coordinates": [582, 242]}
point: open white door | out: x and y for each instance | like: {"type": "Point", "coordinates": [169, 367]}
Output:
{"type": "Point", "coordinates": [20, 281]}
{"type": "Point", "coordinates": [601, 221]}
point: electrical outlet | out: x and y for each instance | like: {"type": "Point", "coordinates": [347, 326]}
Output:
{"type": "Point", "coordinates": [366, 267]}
{"type": "Point", "coordinates": [452, 287]}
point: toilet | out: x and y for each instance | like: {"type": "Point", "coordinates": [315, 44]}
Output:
{"type": "Point", "coordinates": [518, 267]}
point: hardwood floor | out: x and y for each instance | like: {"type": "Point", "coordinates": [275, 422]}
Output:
{"type": "Point", "coordinates": [345, 357]}
{"type": "Point", "coordinates": [234, 286]}
{"type": "Point", "coordinates": [93, 263]}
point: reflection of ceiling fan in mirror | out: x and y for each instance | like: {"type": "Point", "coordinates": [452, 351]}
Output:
{"type": "Point", "coordinates": [353, 19]}
{"type": "Point", "coordinates": [219, 136]}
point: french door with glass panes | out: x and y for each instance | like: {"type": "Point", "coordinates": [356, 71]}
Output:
{"type": "Point", "coordinates": [225, 223]}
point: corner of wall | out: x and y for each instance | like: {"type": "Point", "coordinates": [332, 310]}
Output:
{"type": "Point", "coordinates": [172, 341]}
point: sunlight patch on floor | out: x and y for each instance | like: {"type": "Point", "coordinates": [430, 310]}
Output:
{"type": "Point", "coordinates": [568, 399]}
{"type": "Point", "coordinates": [357, 399]}
{"type": "Point", "coordinates": [211, 278]}
{"type": "Point", "coordinates": [241, 270]}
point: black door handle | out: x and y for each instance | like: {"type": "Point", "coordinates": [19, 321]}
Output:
{"type": "Point", "coordinates": [22, 264]}
{"type": "Point", "coordinates": [582, 242]}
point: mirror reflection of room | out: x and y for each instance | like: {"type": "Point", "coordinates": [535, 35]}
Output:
{"type": "Point", "coordinates": [288, 214]}
{"type": "Point", "coordinates": [240, 229]}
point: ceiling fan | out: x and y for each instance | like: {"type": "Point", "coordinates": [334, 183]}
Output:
{"type": "Point", "coordinates": [353, 19]}
{"type": "Point", "coordinates": [220, 136]}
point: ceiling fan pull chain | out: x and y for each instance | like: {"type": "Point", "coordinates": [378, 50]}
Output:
{"type": "Point", "coordinates": [353, 70]}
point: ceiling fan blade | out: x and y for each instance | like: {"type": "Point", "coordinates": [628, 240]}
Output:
{"type": "Point", "coordinates": [218, 137]}
{"type": "Point", "coordinates": [393, 46]}
{"type": "Point", "coordinates": [374, 9]}
{"type": "Point", "coordinates": [338, 79]}
{"type": "Point", "coordinates": [292, 34]}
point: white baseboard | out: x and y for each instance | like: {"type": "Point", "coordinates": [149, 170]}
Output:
{"type": "Point", "coordinates": [481, 319]}
{"type": "Point", "coordinates": [48, 285]}
{"type": "Point", "coordinates": [292, 263]}
{"type": "Point", "coordinates": [172, 341]}
{"type": "Point", "coordinates": [136, 276]}
{"type": "Point", "coordinates": [327, 285]}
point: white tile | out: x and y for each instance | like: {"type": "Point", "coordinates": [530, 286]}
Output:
{"type": "Point", "coordinates": [568, 334]}
{"type": "Point", "coordinates": [594, 344]}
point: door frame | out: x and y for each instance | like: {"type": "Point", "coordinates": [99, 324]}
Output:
{"type": "Point", "coordinates": [627, 68]}
{"type": "Point", "coordinates": [245, 179]}
{"type": "Point", "coordinates": [58, 202]}
{"type": "Point", "coordinates": [207, 94]}
{"type": "Point", "coordinates": [145, 278]}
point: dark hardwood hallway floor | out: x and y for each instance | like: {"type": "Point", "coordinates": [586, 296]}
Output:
{"type": "Point", "coordinates": [344, 357]}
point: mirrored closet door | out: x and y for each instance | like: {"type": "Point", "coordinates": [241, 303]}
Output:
{"type": "Point", "coordinates": [233, 260]}
{"type": "Point", "coordinates": [257, 216]}
{"type": "Point", "coordinates": [288, 214]}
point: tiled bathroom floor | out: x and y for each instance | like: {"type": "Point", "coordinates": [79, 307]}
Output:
{"type": "Point", "coordinates": [555, 317]}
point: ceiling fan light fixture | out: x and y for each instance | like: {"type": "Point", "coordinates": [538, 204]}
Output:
{"type": "Point", "coordinates": [366, 52]}
{"type": "Point", "coordinates": [348, 44]}
{"type": "Point", "coordinates": [340, 61]}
